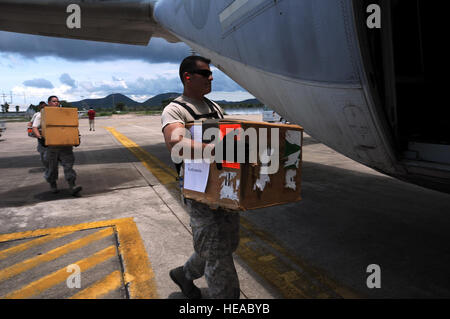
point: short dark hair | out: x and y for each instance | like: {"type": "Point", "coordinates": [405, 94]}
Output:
{"type": "Point", "coordinates": [190, 64]}
{"type": "Point", "coordinates": [42, 103]}
{"type": "Point", "coordinates": [51, 97]}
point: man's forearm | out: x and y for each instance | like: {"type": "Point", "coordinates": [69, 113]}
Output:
{"type": "Point", "coordinates": [190, 149]}
{"type": "Point", "coordinates": [36, 132]}
{"type": "Point", "coordinates": [197, 148]}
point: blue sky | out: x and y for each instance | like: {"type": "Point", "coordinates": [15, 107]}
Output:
{"type": "Point", "coordinates": [34, 67]}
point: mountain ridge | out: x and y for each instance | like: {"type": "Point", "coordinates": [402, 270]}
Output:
{"type": "Point", "coordinates": [112, 99]}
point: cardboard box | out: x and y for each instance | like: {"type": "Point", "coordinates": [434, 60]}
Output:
{"type": "Point", "coordinates": [60, 126]}
{"type": "Point", "coordinates": [244, 186]}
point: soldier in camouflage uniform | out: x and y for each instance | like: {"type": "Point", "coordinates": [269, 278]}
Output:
{"type": "Point", "coordinates": [54, 154]}
{"type": "Point", "coordinates": [65, 155]}
{"type": "Point", "coordinates": [215, 231]}
{"type": "Point", "coordinates": [216, 237]}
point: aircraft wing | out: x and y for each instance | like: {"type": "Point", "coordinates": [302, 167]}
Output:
{"type": "Point", "coordinates": [117, 21]}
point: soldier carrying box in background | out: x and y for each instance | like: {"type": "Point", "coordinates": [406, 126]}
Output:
{"type": "Point", "coordinates": [54, 153]}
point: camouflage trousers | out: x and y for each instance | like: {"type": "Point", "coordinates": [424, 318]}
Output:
{"type": "Point", "coordinates": [216, 237]}
{"type": "Point", "coordinates": [65, 155]}
{"type": "Point", "coordinates": [41, 149]}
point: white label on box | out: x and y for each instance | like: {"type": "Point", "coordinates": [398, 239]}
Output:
{"type": "Point", "coordinates": [196, 172]}
{"type": "Point", "coordinates": [196, 176]}
{"type": "Point", "coordinates": [261, 181]}
{"type": "Point", "coordinates": [294, 137]}
{"type": "Point", "coordinates": [293, 148]}
{"type": "Point", "coordinates": [290, 179]}
{"type": "Point", "coordinates": [230, 186]}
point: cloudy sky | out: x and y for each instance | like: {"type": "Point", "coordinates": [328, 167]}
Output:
{"type": "Point", "coordinates": [34, 67]}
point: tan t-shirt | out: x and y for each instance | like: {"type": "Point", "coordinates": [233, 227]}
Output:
{"type": "Point", "coordinates": [174, 112]}
{"type": "Point", "coordinates": [37, 120]}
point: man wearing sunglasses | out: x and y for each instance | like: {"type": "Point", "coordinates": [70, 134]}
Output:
{"type": "Point", "coordinates": [215, 231]}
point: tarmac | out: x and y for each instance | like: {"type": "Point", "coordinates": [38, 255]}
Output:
{"type": "Point", "coordinates": [129, 228]}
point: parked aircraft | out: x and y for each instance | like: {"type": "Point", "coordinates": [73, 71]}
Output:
{"type": "Point", "coordinates": [356, 84]}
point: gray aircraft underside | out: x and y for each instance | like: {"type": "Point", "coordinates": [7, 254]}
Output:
{"type": "Point", "coordinates": [315, 62]}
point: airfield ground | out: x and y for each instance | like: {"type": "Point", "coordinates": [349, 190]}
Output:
{"type": "Point", "coordinates": [129, 228]}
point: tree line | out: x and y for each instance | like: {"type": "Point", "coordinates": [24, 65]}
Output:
{"type": "Point", "coordinates": [5, 108]}
{"type": "Point", "coordinates": [122, 107]}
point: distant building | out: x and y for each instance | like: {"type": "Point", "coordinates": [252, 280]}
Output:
{"type": "Point", "coordinates": [29, 112]}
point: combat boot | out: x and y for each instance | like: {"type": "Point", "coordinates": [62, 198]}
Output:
{"type": "Point", "coordinates": [187, 286]}
{"type": "Point", "coordinates": [74, 190]}
{"type": "Point", "coordinates": [53, 187]}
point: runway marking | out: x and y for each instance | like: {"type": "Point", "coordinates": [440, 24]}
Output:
{"type": "Point", "coordinates": [153, 164]}
{"type": "Point", "coordinates": [53, 254]}
{"type": "Point", "coordinates": [137, 275]}
{"type": "Point", "coordinates": [302, 282]}
{"type": "Point", "coordinates": [22, 247]}
{"type": "Point", "coordinates": [44, 283]}
{"type": "Point", "coordinates": [101, 287]}
{"type": "Point", "coordinates": [266, 258]}
{"type": "Point", "coordinates": [269, 259]}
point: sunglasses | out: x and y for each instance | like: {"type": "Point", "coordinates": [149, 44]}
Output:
{"type": "Point", "coordinates": [205, 73]}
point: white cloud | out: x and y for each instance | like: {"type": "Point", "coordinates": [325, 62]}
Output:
{"type": "Point", "coordinates": [234, 96]}
{"type": "Point", "coordinates": [76, 80]}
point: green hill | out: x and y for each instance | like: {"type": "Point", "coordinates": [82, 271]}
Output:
{"type": "Point", "coordinates": [155, 102]}
{"type": "Point", "coordinates": [158, 99]}
{"type": "Point", "coordinates": [106, 102]}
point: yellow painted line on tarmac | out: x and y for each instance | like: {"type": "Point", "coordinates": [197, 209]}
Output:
{"type": "Point", "coordinates": [44, 283]}
{"type": "Point", "coordinates": [138, 274]}
{"type": "Point", "coordinates": [60, 229]}
{"type": "Point", "coordinates": [32, 243]}
{"type": "Point", "coordinates": [52, 254]}
{"type": "Point", "coordinates": [266, 258]}
{"type": "Point", "coordinates": [101, 287]}
{"type": "Point", "coordinates": [269, 273]}
{"type": "Point", "coordinates": [153, 164]}
{"type": "Point", "coordinates": [291, 283]}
